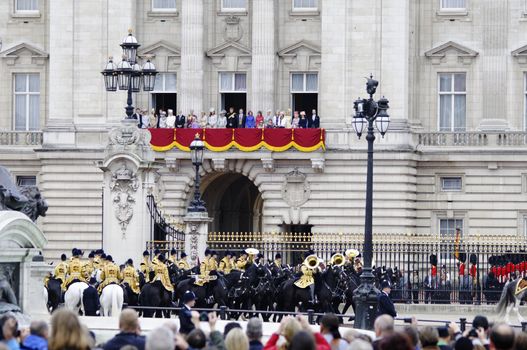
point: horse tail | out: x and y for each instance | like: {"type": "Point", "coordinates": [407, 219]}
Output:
{"type": "Point", "coordinates": [501, 307]}
{"type": "Point", "coordinates": [115, 302]}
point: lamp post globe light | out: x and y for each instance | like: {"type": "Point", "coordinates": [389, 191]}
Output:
{"type": "Point", "coordinates": [128, 75]}
{"type": "Point", "coordinates": [367, 113]}
{"type": "Point", "coordinates": [196, 153]}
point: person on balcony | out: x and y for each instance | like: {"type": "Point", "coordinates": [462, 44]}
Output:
{"type": "Point", "coordinates": [302, 123]}
{"type": "Point", "coordinates": [295, 121]}
{"type": "Point", "coordinates": [180, 120]}
{"type": "Point", "coordinates": [152, 119]}
{"type": "Point", "coordinates": [314, 120]}
{"type": "Point", "coordinates": [203, 120]}
{"type": "Point", "coordinates": [213, 119]}
{"type": "Point", "coordinates": [222, 120]}
{"type": "Point", "coordinates": [260, 121]}
{"type": "Point", "coordinates": [250, 122]}
{"type": "Point", "coordinates": [241, 119]}
{"type": "Point", "coordinates": [171, 119]}
{"type": "Point", "coordinates": [232, 119]}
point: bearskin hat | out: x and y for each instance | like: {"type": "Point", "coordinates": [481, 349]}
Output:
{"type": "Point", "coordinates": [433, 259]}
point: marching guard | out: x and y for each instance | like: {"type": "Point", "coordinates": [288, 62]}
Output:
{"type": "Point", "coordinates": [110, 274]}
{"type": "Point", "coordinates": [74, 269]}
{"type": "Point", "coordinates": [161, 274]}
{"type": "Point", "coordinates": [130, 276]}
{"type": "Point", "coordinates": [146, 266]}
{"type": "Point", "coordinates": [183, 263]}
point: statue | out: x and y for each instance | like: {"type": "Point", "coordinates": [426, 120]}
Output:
{"type": "Point", "coordinates": [8, 301]}
{"type": "Point", "coordinates": [27, 199]}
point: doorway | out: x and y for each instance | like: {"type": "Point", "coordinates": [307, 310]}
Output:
{"type": "Point", "coordinates": [234, 100]}
{"type": "Point", "coordinates": [305, 102]}
{"type": "Point", "coordinates": [164, 101]}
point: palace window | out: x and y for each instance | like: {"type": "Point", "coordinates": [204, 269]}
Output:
{"type": "Point", "coordinates": [163, 5]}
{"type": "Point", "coordinates": [451, 183]}
{"type": "Point", "coordinates": [26, 6]}
{"type": "Point", "coordinates": [165, 94]}
{"type": "Point", "coordinates": [24, 180]}
{"type": "Point", "coordinates": [447, 227]}
{"type": "Point", "coordinates": [233, 90]}
{"type": "Point", "coordinates": [452, 101]}
{"type": "Point", "coordinates": [233, 5]}
{"type": "Point", "coordinates": [305, 5]}
{"type": "Point", "coordinates": [27, 101]}
{"type": "Point", "coordinates": [453, 5]}
{"type": "Point", "coordinates": [304, 92]}
{"type": "Point", "coordinates": [304, 82]}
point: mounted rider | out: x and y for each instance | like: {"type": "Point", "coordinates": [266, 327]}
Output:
{"type": "Point", "coordinates": [226, 264]}
{"type": "Point", "coordinates": [161, 274]}
{"type": "Point", "coordinates": [60, 271]}
{"type": "Point", "coordinates": [173, 256]}
{"type": "Point", "coordinates": [110, 274]}
{"type": "Point", "coordinates": [155, 259]}
{"type": "Point", "coordinates": [88, 267]}
{"type": "Point", "coordinates": [97, 259]}
{"type": "Point", "coordinates": [308, 269]}
{"type": "Point", "coordinates": [208, 265]}
{"type": "Point", "coordinates": [130, 276]}
{"type": "Point", "coordinates": [183, 263]}
{"type": "Point", "coordinates": [146, 266]}
{"type": "Point", "coordinates": [74, 269]}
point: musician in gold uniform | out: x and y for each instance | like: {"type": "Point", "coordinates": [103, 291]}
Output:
{"type": "Point", "coordinates": [207, 265]}
{"type": "Point", "coordinates": [308, 269]}
{"type": "Point", "coordinates": [241, 264]}
{"type": "Point", "coordinates": [173, 256]}
{"type": "Point", "coordinates": [110, 274]}
{"type": "Point", "coordinates": [88, 267]}
{"type": "Point", "coordinates": [74, 269]}
{"type": "Point", "coordinates": [146, 266]}
{"type": "Point", "coordinates": [161, 274]}
{"type": "Point", "coordinates": [226, 265]}
{"type": "Point", "coordinates": [60, 271]}
{"type": "Point", "coordinates": [183, 263]}
{"type": "Point", "coordinates": [130, 276]}
{"type": "Point", "coordinates": [155, 259]}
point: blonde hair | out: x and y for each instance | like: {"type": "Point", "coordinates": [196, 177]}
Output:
{"type": "Point", "coordinates": [67, 332]}
{"type": "Point", "coordinates": [236, 340]}
{"type": "Point", "coordinates": [291, 327]}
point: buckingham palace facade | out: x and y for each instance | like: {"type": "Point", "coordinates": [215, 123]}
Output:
{"type": "Point", "coordinates": [454, 71]}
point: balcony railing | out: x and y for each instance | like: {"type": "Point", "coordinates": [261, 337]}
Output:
{"type": "Point", "coordinates": [20, 138]}
{"type": "Point", "coordinates": [471, 139]}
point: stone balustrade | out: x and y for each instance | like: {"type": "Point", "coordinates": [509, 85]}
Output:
{"type": "Point", "coordinates": [471, 139]}
{"type": "Point", "coordinates": [20, 138]}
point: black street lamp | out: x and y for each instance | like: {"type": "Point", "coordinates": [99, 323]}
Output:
{"type": "Point", "coordinates": [368, 111]}
{"type": "Point", "coordinates": [128, 75]}
{"type": "Point", "coordinates": [196, 152]}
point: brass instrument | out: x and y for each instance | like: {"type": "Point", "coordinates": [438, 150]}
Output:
{"type": "Point", "coordinates": [311, 262]}
{"type": "Point", "coordinates": [337, 259]}
{"type": "Point", "coordinates": [351, 253]}
{"type": "Point", "coordinates": [252, 251]}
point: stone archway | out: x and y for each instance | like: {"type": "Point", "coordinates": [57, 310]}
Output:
{"type": "Point", "coordinates": [233, 202]}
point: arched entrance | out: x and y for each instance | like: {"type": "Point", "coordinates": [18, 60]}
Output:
{"type": "Point", "coordinates": [234, 203]}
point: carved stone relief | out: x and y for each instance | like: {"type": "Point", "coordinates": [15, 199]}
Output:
{"type": "Point", "coordinates": [194, 239]}
{"type": "Point", "coordinates": [123, 185]}
{"type": "Point", "coordinates": [295, 189]}
{"type": "Point", "coordinates": [233, 30]}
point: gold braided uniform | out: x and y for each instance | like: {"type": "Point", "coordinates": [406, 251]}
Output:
{"type": "Point", "coordinates": [145, 267]}
{"type": "Point", "coordinates": [87, 269]}
{"type": "Point", "coordinates": [306, 279]}
{"type": "Point", "coordinates": [155, 261]}
{"type": "Point", "coordinates": [131, 278]}
{"type": "Point", "coordinates": [74, 272]}
{"type": "Point", "coordinates": [241, 263]}
{"type": "Point", "coordinates": [173, 259]}
{"type": "Point", "coordinates": [206, 266]}
{"type": "Point", "coordinates": [183, 264]}
{"type": "Point", "coordinates": [110, 274]}
{"type": "Point", "coordinates": [161, 271]}
{"type": "Point", "coordinates": [96, 262]}
{"type": "Point", "coordinates": [278, 263]}
{"type": "Point", "coordinates": [226, 265]}
{"type": "Point", "coordinates": [60, 271]}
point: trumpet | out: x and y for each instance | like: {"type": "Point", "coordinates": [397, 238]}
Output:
{"type": "Point", "coordinates": [337, 259]}
{"type": "Point", "coordinates": [311, 262]}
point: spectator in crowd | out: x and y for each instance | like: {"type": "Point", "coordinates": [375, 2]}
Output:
{"type": "Point", "coordinates": [37, 338]}
{"type": "Point", "coordinates": [414, 286]}
{"type": "Point", "coordinates": [260, 121]}
{"type": "Point", "coordinates": [360, 344]}
{"type": "Point", "coordinates": [9, 332]}
{"type": "Point", "coordinates": [130, 332]}
{"type": "Point", "coordinates": [254, 332]}
{"type": "Point", "coordinates": [521, 341]}
{"type": "Point", "coordinates": [314, 120]}
{"type": "Point", "coordinates": [329, 327]}
{"type": "Point", "coordinates": [229, 327]}
{"type": "Point", "coordinates": [288, 328]}
{"type": "Point", "coordinates": [501, 337]}
{"type": "Point", "coordinates": [429, 338]}
{"type": "Point", "coordinates": [395, 341]}
{"type": "Point", "coordinates": [385, 305]}
{"type": "Point", "coordinates": [413, 335]}
{"type": "Point", "coordinates": [444, 338]}
{"type": "Point", "coordinates": [303, 341]}
{"type": "Point", "coordinates": [383, 327]}
{"type": "Point", "coordinates": [222, 120]}
{"type": "Point", "coordinates": [171, 119]}
{"type": "Point", "coordinates": [213, 119]}
{"type": "Point", "coordinates": [463, 344]}
{"type": "Point", "coordinates": [481, 325]}
{"type": "Point", "coordinates": [160, 339]}
{"type": "Point", "coordinates": [67, 332]}
{"type": "Point", "coordinates": [250, 122]}
{"type": "Point", "coordinates": [90, 298]}
{"type": "Point", "coordinates": [196, 339]}
{"type": "Point", "coordinates": [236, 340]}
{"type": "Point", "coordinates": [186, 313]}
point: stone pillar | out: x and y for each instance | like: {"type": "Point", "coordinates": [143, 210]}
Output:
{"type": "Point", "coordinates": [197, 229]}
{"type": "Point", "coordinates": [190, 84]}
{"type": "Point", "coordinates": [129, 172]}
{"type": "Point", "coordinates": [263, 56]}
{"type": "Point", "coordinates": [36, 304]}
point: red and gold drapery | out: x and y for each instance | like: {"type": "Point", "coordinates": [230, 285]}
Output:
{"type": "Point", "coordinates": [246, 140]}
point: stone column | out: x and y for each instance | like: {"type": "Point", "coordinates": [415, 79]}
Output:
{"type": "Point", "coordinates": [190, 84]}
{"type": "Point", "coordinates": [196, 235]}
{"type": "Point", "coordinates": [263, 56]}
{"type": "Point", "coordinates": [36, 304]}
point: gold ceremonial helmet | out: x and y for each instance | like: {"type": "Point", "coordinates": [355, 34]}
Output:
{"type": "Point", "coordinates": [311, 262]}
{"type": "Point", "coordinates": [351, 253]}
{"type": "Point", "coordinates": [252, 251]}
{"type": "Point", "coordinates": [337, 259]}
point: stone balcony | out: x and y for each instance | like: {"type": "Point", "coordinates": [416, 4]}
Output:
{"type": "Point", "coordinates": [471, 139]}
{"type": "Point", "coordinates": [21, 138]}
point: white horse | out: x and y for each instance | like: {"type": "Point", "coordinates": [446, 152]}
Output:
{"type": "Point", "coordinates": [112, 298]}
{"type": "Point", "coordinates": [513, 293]}
{"type": "Point", "coordinates": [73, 296]}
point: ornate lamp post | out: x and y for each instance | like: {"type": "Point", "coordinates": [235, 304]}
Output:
{"type": "Point", "coordinates": [367, 112]}
{"type": "Point", "coordinates": [196, 152]}
{"type": "Point", "coordinates": [128, 75]}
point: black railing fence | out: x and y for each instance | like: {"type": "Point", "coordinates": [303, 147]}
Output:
{"type": "Point", "coordinates": [163, 235]}
{"type": "Point", "coordinates": [422, 268]}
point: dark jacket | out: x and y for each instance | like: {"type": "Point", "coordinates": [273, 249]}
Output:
{"type": "Point", "coordinates": [255, 345]}
{"type": "Point", "coordinates": [122, 339]}
{"type": "Point", "coordinates": [34, 342]}
{"type": "Point", "coordinates": [313, 123]}
{"type": "Point", "coordinates": [185, 321]}
{"type": "Point", "coordinates": [385, 305]}
{"type": "Point", "coordinates": [180, 121]}
{"type": "Point", "coordinates": [232, 121]}
{"type": "Point", "coordinates": [302, 123]}
{"type": "Point", "coordinates": [90, 299]}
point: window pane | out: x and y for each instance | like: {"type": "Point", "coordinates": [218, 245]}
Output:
{"type": "Point", "coordinates": [445, 82]}
{"type": "Point", "coordinates": [305, 3]}
{"type": "Point", "coordinates": [20, 112]}
{"type": "Point", "coordinates": [34, 112]}
{"type": "Point", "coordinates": [459, 82]}
{"type": "Point", "coordinates": [170, 82]}
{"type": "Point", "coordinates": [34, 83]}
{"type": "Point", "coordinates": [226, 82]}
{"type": "Point", "coordinates": [26, 5]}
{"type": "Point", "coordinates": [453, 4]}
{"type": "Point", "coordinates": [164, 4]}
{"type": "Point", "coordinates": [451, 183]}
{"type": "Point", "coordinates": [234, 4]}
{"type": "Point", "coordinates": [26, 181]}
{"type": "Point", "coordinates": [20, 82]}
{"type": "Point", "coordinates": [445, 112]}
{"type": "Point", "coordinates": [159, 83]}
{"type": "Point", "coordinates": [311, 82]}
{"type": "Point", "coordinates": [297, 82]}
{"type": "Point", "coordinates": [240, 82]}
{"type": "Point", "coordinates": [459, 113]}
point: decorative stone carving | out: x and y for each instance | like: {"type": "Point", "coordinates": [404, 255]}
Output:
{"type": "Point", "coordinates": [172, 164]}
{"type": "Point", "coordinates": [295, 189]}
{"type": "Point", "coordinates": [463, 53]}
{"type": "Point", "coordinates": [520, 54]}
{"type": "Point", "coordinates": [36, 205]}
{"type": "Point", "coordinates": [318, 164]}
{"type": "Point", "coordinates": [268, 165]}
{"type": "Point", "coordinates": [219, 164]}
{"type": "Point", "coordinates": [8, 299]}
{"type": "Point", "coordinates": [194, 240]}
{"type": "Point", "coordinates": [124, 136]}
{"type": "Point", "coordinates": [233, 30]}
{"type": "Point", "coordinates": [123, 184]}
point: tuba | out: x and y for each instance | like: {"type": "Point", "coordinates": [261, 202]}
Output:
{"type": "Point", "coordinates": [337, 259]}
{"type": "Point", "coordinates": [252, 252]}
{"type": "Point", "coordinates": [351, 253]}
{"type": "Point", "coordinates": [311, 262]}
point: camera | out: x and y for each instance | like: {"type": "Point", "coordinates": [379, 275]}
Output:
{"type": "Point", "coordinates": [204, 317]}
{"type": "Point", "coordinates": [472, 333]}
